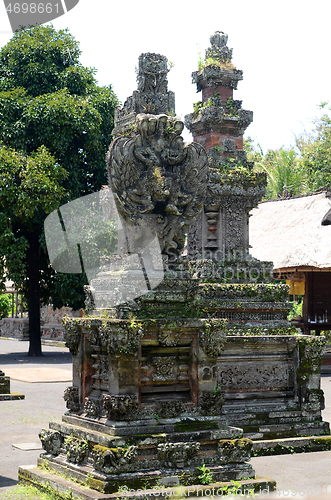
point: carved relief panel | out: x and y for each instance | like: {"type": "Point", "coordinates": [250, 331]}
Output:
{"type": "Point", "coordinates": [168, 368]}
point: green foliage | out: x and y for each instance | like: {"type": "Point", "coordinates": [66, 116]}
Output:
{"type": "Point", "coordinates": [235, 488]}
{"type": "Point", "coordinates": [5, 305]}
{"type": "Point", "coordinates": [283, 168]}
{"type": "Point", "coordinates": [42, 60]}
{"type": "Point", "coordinates": [198, 106]}
{"type": "Point", "coordinates": [315, 149]}
{"type": "Point", "coordinates": [30, 185]}
{"type": "Point", "coordinates": [30, 188]}
{"type": "Point", "coordinates": [296, 310]}
{"type": "Point", "coordinates": [230, 108]}
{"type": "Point", "coordinates": [211, 61]}
{"type": "Point", "coordinates": [303, 167]}
{"type": "Point", "coordinates": [26, 492]}
{"type": "Point", "coordinates": [206, 477]}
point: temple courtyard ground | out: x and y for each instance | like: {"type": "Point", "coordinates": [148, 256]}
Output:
{"type": "Point", "coordinates": [43, 381]}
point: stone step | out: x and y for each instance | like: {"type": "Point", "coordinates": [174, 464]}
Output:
{"type": "Point", "coordinates": [291, 445]}
{"type": "Point", "coordinates": [47, 480]}
{"type": "Point", "coordinates": [11, 397]}
{"type": "Point", "coordinates": [282, 431]}
{"type": "Point", "coordinates": [95, 435]}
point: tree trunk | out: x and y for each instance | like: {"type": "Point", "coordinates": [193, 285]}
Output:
{"type": "Point", "coordinates": [34, 295]}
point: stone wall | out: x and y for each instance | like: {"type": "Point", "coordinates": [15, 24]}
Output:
{"type": "Point", "coordinates": [17, 328]}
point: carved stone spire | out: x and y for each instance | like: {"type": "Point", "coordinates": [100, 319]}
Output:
{"type": "Point", "coordinates": [152, 95]}
{"type": "Point", "coordinates": [218, 120]}
{"type": "Point", "coordinates": [219, 49]}
{"type": "Point", "coordinates": [218, 123]}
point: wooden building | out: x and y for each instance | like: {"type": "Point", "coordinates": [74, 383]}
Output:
{"type": "Point", "coordinates": [295, 234]}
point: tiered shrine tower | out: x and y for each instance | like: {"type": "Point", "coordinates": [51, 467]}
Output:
{"type": "Point", "coordinates": [218, 123]}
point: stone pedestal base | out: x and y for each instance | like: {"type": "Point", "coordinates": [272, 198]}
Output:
{"type": "Point", "coordinates": [4, 383]}
{"type": "Point", "coordinates": [5, 394]}
{"type": "Point", "coordinates": [109, 456]}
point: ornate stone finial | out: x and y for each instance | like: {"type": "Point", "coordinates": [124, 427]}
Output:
{"type": "Point", "coordinates": [152, 73]}
{"type": "Point", "coordinates": [152, 95]}
{"type": "Point", "coordinates": [219, 38]}
{"type": "Point", "coordinates": [219, 49]}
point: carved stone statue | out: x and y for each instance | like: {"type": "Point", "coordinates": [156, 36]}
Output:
{"type": "Point", "coordinates": [159, 183]}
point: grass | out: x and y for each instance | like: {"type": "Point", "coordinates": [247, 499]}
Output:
{"type": "Point", "coordinates": [24, 492]}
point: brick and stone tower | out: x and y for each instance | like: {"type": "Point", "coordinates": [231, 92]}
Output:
{"type": "Point", "coordinates": [219, 123]}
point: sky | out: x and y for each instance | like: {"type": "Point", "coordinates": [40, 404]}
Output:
{"type": "Point", "coordinates": [282, 47]}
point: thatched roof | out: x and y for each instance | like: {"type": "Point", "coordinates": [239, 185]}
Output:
{"type": "Point", "coordinates": [289, 232]}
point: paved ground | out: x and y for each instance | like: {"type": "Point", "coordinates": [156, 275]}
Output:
{"type": "Point", "coordinates": [43, 381]}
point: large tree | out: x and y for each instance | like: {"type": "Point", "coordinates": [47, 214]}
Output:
{"type": "Point", "coordinates": [315, 149]}
{"type": "Point", "coordinates": [30, 188]}
{"type": "Point", "coordinates": [48, 100]}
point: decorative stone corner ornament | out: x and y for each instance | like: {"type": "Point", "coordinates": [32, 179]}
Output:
{"type": "Point", "coordinates": [76, 449]}
{"type": "Point", "coordinates": [213, 337]}
{"type": "Point", "coordinates": [235, 450]}
{"type": "Point", "coordinates": [211, 403]}
{"type": "Point", "coordinates": [314, 400]}
{"type": "Point", "coordinates": [51, 441]}
{"type": "Point", "coordinates": [71, 397]}
{"type": "Point", "coordinates": [110, 460]}
{"type": "Point", "coordinates": [169, 409]}
{"type": "Point", "coordinates": [120, 406]}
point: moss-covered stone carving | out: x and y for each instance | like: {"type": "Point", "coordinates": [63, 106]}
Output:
{"type": "Point", "coordinates": [71, 397]}
{"type": "Point", "coordinates": [120, 406]}
{"type": "Point", "coordinates": [169, 409]}
{"type": "Point", "coordinates": [234, 450]}
{"type": "Point", "coordinates": [92, 407]}
{"type": "Point", "coordinates": [110, 460]}
{"type": "Point", "coordinates": [177, 455]}
{"type": "Point", "coordinates": [314, 400]}
{"type": "Point", "coordinates": [72, 335]}
{"type": "Point", "coordinates": [51, 441]}
{"type": "Point", "coordinates": [76, 449]}
{"type": "Point", "coordinates": [213, 337]}
{"type": "Point", "coordinates": [150, 194]}
{"type": "Point", "coordinates": [211, 403]}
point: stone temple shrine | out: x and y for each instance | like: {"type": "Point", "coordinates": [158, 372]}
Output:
{"type": "Point", "coordinates": [172, 385]}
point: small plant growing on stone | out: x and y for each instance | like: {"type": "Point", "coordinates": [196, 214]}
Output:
{"type": "Point", "coordinates": [234, 489]}
{"type": "Point", "coordinates": [211, 61]}
{"type": "Point", "coordinates": [157, 418]}
{"type": "Point", "coordinates": [217, 389]}
{"type": "Point", "coordinates": [197, 108]}
{"type": "Point", "coordinates": [230, 107]}
{"type": "Point", "coordinates": [157, 175]}
{"type": "Point", "coordinates": [206, 476]}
